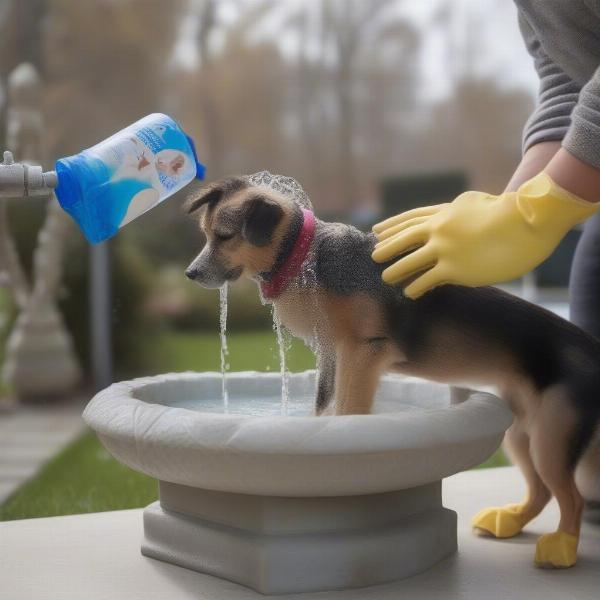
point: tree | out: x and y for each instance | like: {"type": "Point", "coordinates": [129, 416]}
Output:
{"type": "Point", "coordinates": [351, 26]}
{"type": "Point", "coordinates": [20, 41]}
{"type": "Point", "coordinates": [106, 66]}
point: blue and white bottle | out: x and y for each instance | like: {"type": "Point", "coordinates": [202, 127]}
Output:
{"type": "Point", "coordinates": [117, 180]}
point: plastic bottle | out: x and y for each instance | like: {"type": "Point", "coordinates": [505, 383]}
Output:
{"type": "Point", "coordinates": [117, 180]}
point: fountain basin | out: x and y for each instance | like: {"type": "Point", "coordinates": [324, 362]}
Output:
{"type": "Point", "coordinates": [288, 504]}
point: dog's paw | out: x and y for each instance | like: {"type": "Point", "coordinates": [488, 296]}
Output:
{"type": "Point", "coordinates": [501, 522]}
{"type": "Point", "coordinates": [556, 550]}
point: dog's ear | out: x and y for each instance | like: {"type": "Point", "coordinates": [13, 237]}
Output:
{"type": "Point", "coordinates": [261, 217]}
{"type": "Point", "coordinates": [207, 195]}
{"type": "Point", "coordinates": [214, 192]}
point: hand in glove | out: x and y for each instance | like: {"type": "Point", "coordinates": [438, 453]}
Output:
{"type": "Point", "coordinates": [478, 239]}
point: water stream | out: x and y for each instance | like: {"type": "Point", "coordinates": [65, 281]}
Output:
{"type": "Point", "coordinates": [281, 343]}
{"type": "Point", "coordinates": [224, 349]}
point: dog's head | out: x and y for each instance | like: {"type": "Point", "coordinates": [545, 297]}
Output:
{"type": "Point", "coordinates": [244, 225]}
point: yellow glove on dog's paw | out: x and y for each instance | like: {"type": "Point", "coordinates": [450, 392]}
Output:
{"type": "Point", "coordinates": [478, 239]}
{"type": "Point", "coordinates": [501, 522]}
{"type": "Point", "coordinates": [556, 550]}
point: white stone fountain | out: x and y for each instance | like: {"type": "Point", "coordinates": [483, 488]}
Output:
{"type": "Point", "coordinates": [287, 504]}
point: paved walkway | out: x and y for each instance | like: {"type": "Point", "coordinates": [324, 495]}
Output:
{"type": "Point", "coordinates": [30, 436]}
{"type": "Point", "coordinates": [97, 557]}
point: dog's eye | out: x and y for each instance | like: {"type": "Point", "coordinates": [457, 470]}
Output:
{"type": "Point", "coordinates": [223, 237]}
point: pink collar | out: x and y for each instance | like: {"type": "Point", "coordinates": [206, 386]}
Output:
{"type": "Point", "coordinates": [292, 264]}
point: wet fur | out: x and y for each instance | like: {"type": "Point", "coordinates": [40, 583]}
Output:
{"type": "Point", "coordinates": [360, 328]}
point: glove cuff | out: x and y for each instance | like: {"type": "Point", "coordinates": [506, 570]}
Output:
{"type": "Point", "coordinates": [543, 203]}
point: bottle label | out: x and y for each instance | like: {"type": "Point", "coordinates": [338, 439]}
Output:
{"type": "Point", "coordinates": [154, 156]}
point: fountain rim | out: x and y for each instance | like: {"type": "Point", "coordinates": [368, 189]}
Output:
{"type": "Point", "coordinates": [115, 412]}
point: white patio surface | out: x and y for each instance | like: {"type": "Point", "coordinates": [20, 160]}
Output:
{"type": "Point", "coordinates": [97, 557]}
{"type": "Point", "coordinates": [32, 435]}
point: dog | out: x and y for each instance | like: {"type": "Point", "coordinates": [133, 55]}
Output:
{"type": "Point", "coordinates": [327, 290]}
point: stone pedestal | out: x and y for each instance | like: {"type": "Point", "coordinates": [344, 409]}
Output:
{"type": "Point", "coordinates": [40, 362]}
{"type": "Point", "coordinates": [297, 504]}
{"type": "Point", "coordinates": [280, 545]}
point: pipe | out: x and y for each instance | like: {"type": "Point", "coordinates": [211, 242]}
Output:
{"type": "Point", "coordinates": [19, 180]}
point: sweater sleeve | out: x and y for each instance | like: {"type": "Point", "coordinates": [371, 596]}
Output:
{"type": "Point", "coordinates": [583, 138]}
{"type": "Point", "coordinates": [557, 98]}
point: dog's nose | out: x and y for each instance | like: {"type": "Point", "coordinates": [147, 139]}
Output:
{"type": "Point", "coordinates": [192, 273]}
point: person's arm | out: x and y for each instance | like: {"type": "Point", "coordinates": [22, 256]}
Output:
{"type": "Point", "coordinates": [550, 120]}
{"type": "Point", "coordinates": [578, 177]}
{"type": "Point", "coordinates": [535, 159]}
{"type": "Point", "coordinates": [566, 115]}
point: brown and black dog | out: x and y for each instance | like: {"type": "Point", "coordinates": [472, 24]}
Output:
{"type": "Point", "coordinates": [333, 298]}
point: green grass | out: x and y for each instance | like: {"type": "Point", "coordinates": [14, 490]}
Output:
{"type": "Point", "coordinates": [82, 478]}
{"type": "Point", "coordinates": [254, 350]}
{"type": "Point", "coordinates": [498, 459]}
{"type": "Point", "coordinates": [85, 478]}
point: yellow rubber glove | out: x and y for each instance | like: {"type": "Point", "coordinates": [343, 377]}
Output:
{"type": "Point", "coordinates": [478, 239]}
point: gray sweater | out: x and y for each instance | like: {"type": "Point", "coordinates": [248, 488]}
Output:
{"type": "Point", "coordinates": [563, 36]}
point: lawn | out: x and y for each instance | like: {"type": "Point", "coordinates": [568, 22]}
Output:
{"type": "Point", "coordinates": [254, 351]}
{"type": "Point", "coordinates": [85, 478]}
{"type": "Point", "coordinates": [82, 478]}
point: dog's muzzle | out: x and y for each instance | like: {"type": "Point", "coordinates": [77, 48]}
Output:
{"type": "Point", "coordinates": [209, 273]}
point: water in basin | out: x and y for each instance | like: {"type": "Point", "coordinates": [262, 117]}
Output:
{"type": "Point", "coordinates": [256, 406]}
{"type": "Point", "coordinates": [297, 405]}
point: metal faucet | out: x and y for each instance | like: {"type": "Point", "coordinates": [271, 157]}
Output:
{"type": "Point", "coordinates": [18, 180]}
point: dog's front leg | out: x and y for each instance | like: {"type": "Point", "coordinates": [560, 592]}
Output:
{"type": "Point", "coordinates": [325, 379]}
{"type": "Point", "coordinates": [359, 366]}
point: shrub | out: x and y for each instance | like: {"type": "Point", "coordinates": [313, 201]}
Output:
{"type": "Point", "coordinates": [131, 284]}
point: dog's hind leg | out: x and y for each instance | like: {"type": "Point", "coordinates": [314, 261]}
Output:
{"type": "Point", "coordinates": [509, 520]}
{"type": "Point", "coordinates": [555, 431]}
{"type": "Point", "coordinates": [357, 373]}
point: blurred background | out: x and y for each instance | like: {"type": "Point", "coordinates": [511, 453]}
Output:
{"type": "Point", "coordinates": [374, 106]}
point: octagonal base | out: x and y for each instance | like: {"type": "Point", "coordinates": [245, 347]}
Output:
{"type": "Point", "coordinates": [279, 545]}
